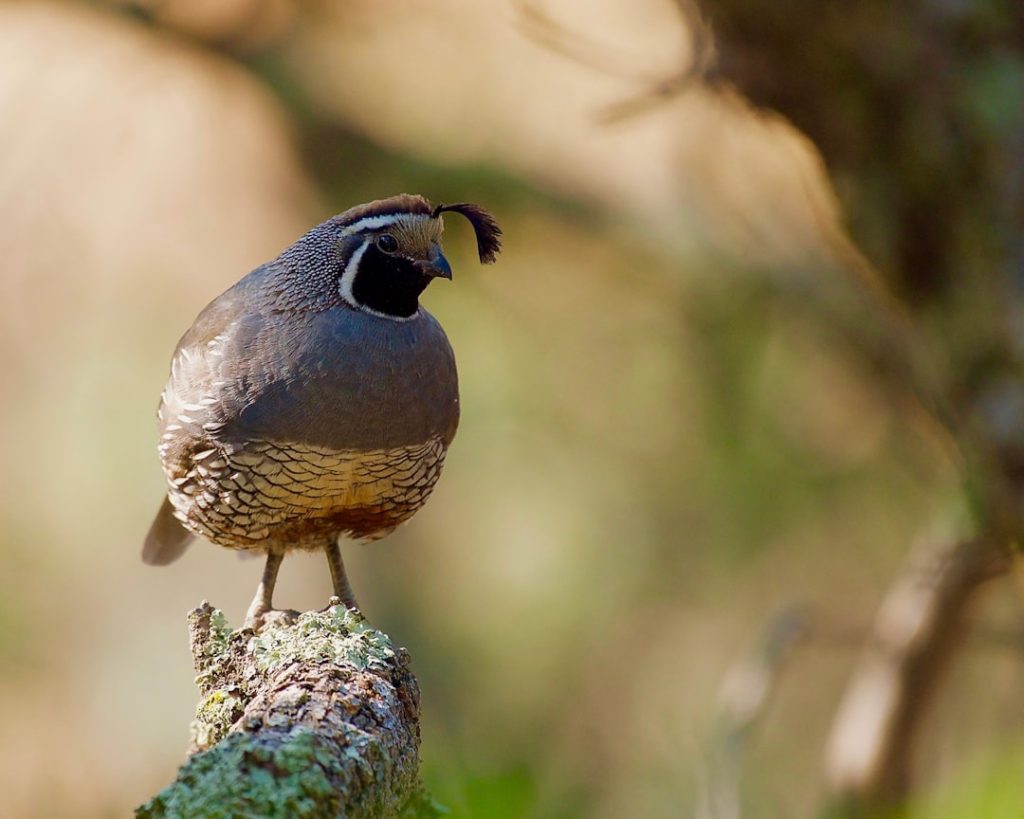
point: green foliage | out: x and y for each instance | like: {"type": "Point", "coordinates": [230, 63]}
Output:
{"type": "Point", "coordinates": [993, 790]}
{"type": "Point", "coordinates": [509, 793]}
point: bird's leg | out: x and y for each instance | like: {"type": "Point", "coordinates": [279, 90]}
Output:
{"type": "Point", "coordinates": [261, 603]}
{"type": "Point", "coordinates": [342, 589]}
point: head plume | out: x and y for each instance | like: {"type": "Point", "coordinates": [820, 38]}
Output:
{"type": "Point", "coordinates": [488, 234]}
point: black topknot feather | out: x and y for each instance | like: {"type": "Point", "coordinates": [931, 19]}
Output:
{"type": "Point", "coordinates": [488, 234]}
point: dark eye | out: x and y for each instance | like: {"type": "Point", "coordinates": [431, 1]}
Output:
{"type": "Point", "coordinates": [387, 243]}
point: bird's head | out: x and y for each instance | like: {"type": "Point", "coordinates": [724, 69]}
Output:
{"type": "Point", "coordinates": [388, 251]}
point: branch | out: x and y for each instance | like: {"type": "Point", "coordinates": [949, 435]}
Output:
{"type": "Point", "coordinates": [742, 701]}
{"type": "Point", "coordinates": [317, 715]}
{"type": "Point", "coordinates": [915, 634]}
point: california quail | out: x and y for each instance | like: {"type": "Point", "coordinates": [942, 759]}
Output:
{"type": "Point", "coordinates": [315, 398]}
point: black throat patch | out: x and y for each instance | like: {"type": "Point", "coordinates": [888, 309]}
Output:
{"type": "Point", "coordinates": [388, 284]}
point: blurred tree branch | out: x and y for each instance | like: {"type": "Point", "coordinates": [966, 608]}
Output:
{"type": "Point", "coordinates": [314, 716]}
{"type": "Point", "coordinates": [927, 179]}
{"type": "Point", "coordinates": [743, 698]}
{"type": "Point", "coordinates": [918, 628]}
{"type": "Point", "coordinates": [536, 24]}
{"type": "Point", "coordinates": [915, 109]}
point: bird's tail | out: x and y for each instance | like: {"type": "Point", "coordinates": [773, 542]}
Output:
{"type": "Point", "coordinates": [167, 538]}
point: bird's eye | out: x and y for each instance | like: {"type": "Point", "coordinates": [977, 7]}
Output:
{"type": "Point", "coordinates": [387, 243]}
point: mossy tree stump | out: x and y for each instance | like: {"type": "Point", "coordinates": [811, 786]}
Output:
{"type": "Point", "coordinates": [316, 715]}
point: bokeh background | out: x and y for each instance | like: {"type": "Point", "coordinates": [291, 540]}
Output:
{"type": "Point", "coordinates": [678, 416]}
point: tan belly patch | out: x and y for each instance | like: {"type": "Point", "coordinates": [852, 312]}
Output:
{"type": "Point", "coordinates": [297, 494]}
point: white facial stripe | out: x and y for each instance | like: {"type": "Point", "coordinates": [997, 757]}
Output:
{"type": "Point", "coordinates": [347, 281]}
{"type": "Point", "coordinates": [348, 277]}
{"type": "Point", "coordinates": [376, 222]}
{"type": "Point", "coordinates": [379, 314]}
{"type": "Point", "coordinates": [372, 223]}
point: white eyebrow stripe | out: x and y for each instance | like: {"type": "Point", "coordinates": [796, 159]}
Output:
{"type": "Point", "coordinates": [383, 220]}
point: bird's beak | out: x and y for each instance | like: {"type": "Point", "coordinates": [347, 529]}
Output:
{"type": "Point", "coordinates": [438, 265]}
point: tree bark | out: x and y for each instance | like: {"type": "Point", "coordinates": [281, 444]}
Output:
{"type": "Point", "coordinates": [316, 715]}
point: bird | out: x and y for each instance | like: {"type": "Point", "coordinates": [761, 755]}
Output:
{"type": "Point", "coordinates": [316, 398]}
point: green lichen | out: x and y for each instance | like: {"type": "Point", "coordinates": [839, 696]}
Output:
{"type": "Point", "coordinates": [219, 631]}
{"type": "Point", "coordinates": [216, 638]}
{"type": "Point", "coordinates": [302, 776]}
{"type": "Point", "coordinates": [337, 634]}
{"type": "Point", "coordinates": [215, 714]}
{"type": "Point", "coordinates": [245, 776]}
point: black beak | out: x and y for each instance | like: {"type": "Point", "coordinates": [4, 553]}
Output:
{"type": "Point", "coordinates": [438, 266]}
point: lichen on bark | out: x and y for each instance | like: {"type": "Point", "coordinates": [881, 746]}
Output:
{"type": "Point", "coordinates": [316, 715]}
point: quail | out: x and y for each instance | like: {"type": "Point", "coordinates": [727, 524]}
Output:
{"type": "Point", "coordinates": [315, 398]}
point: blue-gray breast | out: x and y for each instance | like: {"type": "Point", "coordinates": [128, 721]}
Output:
{"type": "Point", "coordinates": [315, 398]}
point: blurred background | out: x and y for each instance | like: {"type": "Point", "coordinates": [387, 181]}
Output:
{"type": "Point", "coordinates": [700, 433]}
